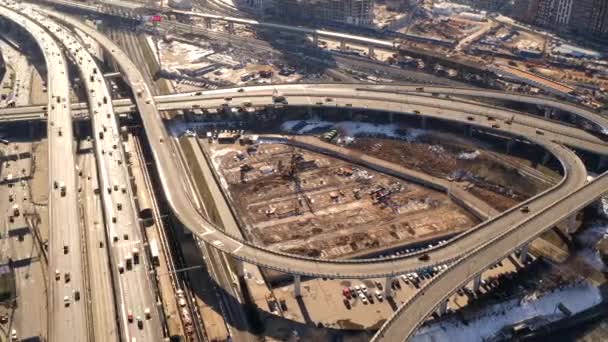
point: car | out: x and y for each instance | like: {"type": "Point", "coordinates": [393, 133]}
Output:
{"type": "Point", "coordinates": [539, 132]}
{"type": "Point", "coordinates": [525, 209]}
{"type": "Point", "coordinates": [66, 301]}
{"type": "Point", "coordinates": [180, 293]}
{"type": "Point", "coordinates": [363, 298]}
{"type": "Point", "coordinates": [14, 336]}
{"type": "Point", "coordinates": [495, 126]}
{"type": "Point", "coordinates": [346, 303]}
{"type": "Point", "coordinates": [364, 288]}
{"type": "Point", "coordinates": [470, 118]}
{"type": "Point", "coordinates": [67, 277]}
{"type": "Point", "coordinates": [121, 268]}
{"type": "Point", "coordinates": [378, 294]}
{"type": "Point", "coordinates": [357, 288]}
{"type": "Point", "coordinates": [378, 284]}
{"type": "Point", "coordinates": [241, 90]}
{"type": "Point", "coordinates": [182, 302]}
{"type": "Point", "coordinates": [346, 292]}
{"type": "Point", "coordinates": [66, 249]}
{"type": "Point", "coordinates": [130, 316]}
{"type": "Point", "coordinates": [424, 257]}
{"type": "Point", "coordinates": [57, 275]}
{"type": "Point", "coordinates": [140, 323]}
{"type": "Point", "coordinates": [147, 313]}
{"type": "Point", "coordinates": [76, 295]}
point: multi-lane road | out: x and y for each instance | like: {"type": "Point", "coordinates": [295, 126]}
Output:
{"type": "Point", "coordinates": [173, 186]}
{"type": "Point", "coordinates": [67, 312]}
{"type": "Point", "coordinates": [472, 251]}
{"type": "Point", "coordinates": [133, 286]}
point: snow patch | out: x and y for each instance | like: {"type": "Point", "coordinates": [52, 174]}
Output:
{"type": "Point", "coordinates": [469, 156]}
{"type": "Point", "coordinates": [352, 129]}
{"type": "Point", "coordinates": [589, 237]}
{"type": "Point", "coordinates": [489, 321]}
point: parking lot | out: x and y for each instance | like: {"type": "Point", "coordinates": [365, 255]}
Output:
{"type": "Point", "coordinates": [323, 300]}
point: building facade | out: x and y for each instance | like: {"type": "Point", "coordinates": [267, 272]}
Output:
{"type": "Point", "coordinates": [353, 12]}
{"type": "Point", "coordinates": [589, 17]}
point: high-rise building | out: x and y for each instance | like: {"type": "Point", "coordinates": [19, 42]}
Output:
{"type": "Point", "coordinates": [526, 11]}
{"type": "Point", "coordinates": [584, 16]}
{"type": "Point", "coordinates": [353, 12]}
{"type": "Point", "coordinates": [591, 17]}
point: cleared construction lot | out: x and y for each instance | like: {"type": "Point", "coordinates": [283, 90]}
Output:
{"type": "Point", "coordinates": [302, 202]}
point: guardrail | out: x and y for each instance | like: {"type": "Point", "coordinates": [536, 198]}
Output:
{"type": "Point", "coordinates": [478, 250]}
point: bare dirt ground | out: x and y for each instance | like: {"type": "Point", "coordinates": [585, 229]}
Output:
{"type": "Point", "coordinates": [330, 208]}
{"type": "Point", "coordinates": [495, 178]}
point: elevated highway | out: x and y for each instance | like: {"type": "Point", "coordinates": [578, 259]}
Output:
{"type": "Point", "coordinates": [133, 287]}
{"type": "Point", "coordinates": [497, 237]}
{"type": "Point", "coordinates": [357, 95]}
{"type": "Point", "coordinates": [67, 314]}
{"type": "Point", "coordinates": [184, 209]}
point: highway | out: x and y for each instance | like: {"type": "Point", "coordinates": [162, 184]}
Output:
{"type": "Point", "coordinates": [385, 97]}
{"type": "Point", "coordinates": [427, 300]}
{"type": "Point", "coordinates": [67, 312]}
{"type": "Point", "coordinates": [133, 286]}
{"type": "Point", "coordinates": [473, 250]}
{"type": "Point", "coordinates": [165, 159]}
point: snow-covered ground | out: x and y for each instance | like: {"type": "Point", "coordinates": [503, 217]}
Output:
{"type": "Point", "coordinates": [589, 237]}
{"type": "Point", "coordinates": [492, 319]}
{"type": "Point", "coordinates": [353, 129]}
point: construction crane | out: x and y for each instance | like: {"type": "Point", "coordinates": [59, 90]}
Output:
{"type": "Point", "coordinates": [292, 173]}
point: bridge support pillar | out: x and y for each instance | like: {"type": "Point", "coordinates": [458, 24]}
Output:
{"type": "Point", "coordinates": [370, 52]}
{"type": "Point", "coordinates": [476, 283]}
{"type": "Point", "coordinates": [424, 122]}
{"type": "Point", "coordinates": [469, 131]}
{"type": "Point", "coordinates": [342, 45]}
{"type": "Point", "coordinates": [571, 224]}
{"type": "Point", "coordinates": [207, 22]}
{"type": "Point", "coordinates": [523, 253]}
{"type": "Point", "coordinates": [601, 163]}
{"type": "Point", "coordinates": [443, 308]}
{"type": "Point", "coordinates": [391, 117]}
{"type": "Point", "coordinates": [548, 112]}
{"type": "Point", "coordinates": [315, 40]}
{"type": "Point", "coordinates": [309, 113]}
{"type": "Point", "coordinates": [546, 158]}
{"type": "Point", "coordinates": [239, 267]}
{"type": "Point", "coordinates": [510, 144]}
{"type": "Point", "coordinates": [231, 28]}
{"type": "Point", "coordinates": [388, 290]}
{"type": "Point", "coordinates": [297, 286]}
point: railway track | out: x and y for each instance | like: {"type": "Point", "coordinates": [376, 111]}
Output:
{"type": "Point", "coordinates": [177, 282]}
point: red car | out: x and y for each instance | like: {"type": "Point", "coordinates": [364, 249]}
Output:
{"type": "Point", "coordinates": [346, 292]}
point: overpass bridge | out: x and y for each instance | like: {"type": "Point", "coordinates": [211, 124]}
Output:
{"type": "Point", "coordinates": [412, 99]}
{"type": "Point", "coordinates": [502, 234]}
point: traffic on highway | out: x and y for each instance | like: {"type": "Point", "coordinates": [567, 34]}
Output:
{"type": "Point", "coordinates": [83, 110]}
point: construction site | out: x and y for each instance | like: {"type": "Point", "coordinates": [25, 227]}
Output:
{"type": "Point", "coordinates": [313, 195]}
{"type": "Point", "coordinates": [298, 201]}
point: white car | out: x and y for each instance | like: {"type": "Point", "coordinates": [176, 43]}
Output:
{"type": "Point", "coordinates": [364, 289]}
{"type": "Point", "coordinates": [363, 297]}
{"type": "Point", "coordinates": [378, 294]}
